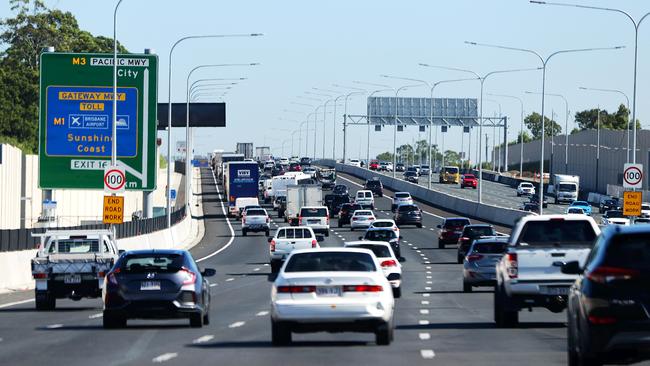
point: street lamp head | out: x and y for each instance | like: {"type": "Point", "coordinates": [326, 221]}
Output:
{"type": "Point", "coordinates": [257, 34]}
{"type": "Point", "coordinates": [537, 2]}
{"type": "Point", "coordinates": [471, 43]}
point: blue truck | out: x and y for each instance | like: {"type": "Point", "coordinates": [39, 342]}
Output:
{"type": "Point", "coordinates": [241, 181]}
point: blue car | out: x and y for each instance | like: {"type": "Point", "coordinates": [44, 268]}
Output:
{"type": "Point", "coordinates": [584, 205]}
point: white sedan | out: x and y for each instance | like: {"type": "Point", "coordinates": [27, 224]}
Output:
{"type": "Point", "coordinates": [333, 290]}
{"type": "Point", "coordinates": [385, 223]}
{"type": "Point", "coordinates": [361, 219]}
{"type": "Point", "coordinates": [387, 259]}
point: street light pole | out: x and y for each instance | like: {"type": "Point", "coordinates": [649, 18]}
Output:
{"type": "Point", "coordinates": [544, 62]}
{"type": "Point", "coordinates": [521, 130]}
{"type": "Point", "coordinates": [566, 130]}
{"type": "Point", "coordinates": [345, 117]}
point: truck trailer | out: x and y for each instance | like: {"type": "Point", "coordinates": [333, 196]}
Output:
{"type": "Point", "coordinates": [240, 179]}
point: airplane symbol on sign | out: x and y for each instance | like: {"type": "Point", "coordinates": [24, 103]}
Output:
{"type": "Point", "coordinates": [75, 121]}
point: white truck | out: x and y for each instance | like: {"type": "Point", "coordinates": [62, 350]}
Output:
{"type": "Point", "coordinates": [72, 264]}
{"type": "Point", "coordinates": [299, 196]}
{"type": "Point", "coordinates": [564, 188]}
{"type": "Point", "coordinates": [280, 183]}
{"type": "Point", "coordinates": [529, 274]}
{"type": "Point", "coordinates": [288, 239]}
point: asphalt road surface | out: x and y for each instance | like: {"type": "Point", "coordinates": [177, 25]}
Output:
{"type": "Point", "coordinates": [436, 323]}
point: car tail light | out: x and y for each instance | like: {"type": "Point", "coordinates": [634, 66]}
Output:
{"type": "Point", "coordinates": [355, 218]}
{"type": "Point", "coordinates": [273, 245]}
{"type": "Point", "coordinates": [327, 219]}
{"type": "Point", "coordinates": [363, 288]}
{"type": "Point", "coordinates": [101, 273]}
{"type": "Point", "coordinates": [268, 219]}
{"type": "Point", "coordinates": [389, 263]}
{"type": "Point", "coordinates": [40, 276]}
{"type": "Point", "coordinates": [512, 267]}
{"type": "Point", "coordinates": [474, 257]}
{"type": "Point", "coordinates": [608, 274]}
{"type": "Point", "coordinates": [601, 320]}
{"type": "Point", "coordinates": [189, 277]}
{"type": "Point", "coordinates": [299, 220]}
{"type": "Point", "coordinates": [464, 238]}
{"type": "Point", "coordinates": [296, 289]}
{"type": "Point", "coordinates": [243, 220]}
{"type": "Point", "coordinates": [314, 243]}
{"type": "Point", "coordinates": [111, 276]}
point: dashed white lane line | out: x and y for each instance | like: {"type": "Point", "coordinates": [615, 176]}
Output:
{"type": "Point", "coordinates": [427, 288]}
{"type": "Point", "coordinates": [256, 269]}
{"type": "Point", "coordinates": [262, 313]}
{"type": "Point", "coordinates": [423, 322]}
{"type": "Point", "coordinates": [266, 264]}
{"type": "Point", "coordinates": [426, 295]}
{"type": "Point", "coordinates": [164, 357]}
{"type": "Point", "coordinates": [429, 277]}
{"type": "Point", "coordinates": [424, 336]}
{"type": "Point", "coordinates": [428, 267]}
{"type": "Point", "coordinates": [95, 316]}
{"type": "Point", "coordinates": [429, 282]}
{"type": "Point", "coordinates": [205, 338]}
{"type": "Point", "coordinates": [230, 279]}
{"type": "Point", "coordinates": [427, 354]}
{"type": "Point", "coordinates": [236, 324]}
{"type": "Point", "coordinates": [213, 285]}
{"type": "Point", "coordinates": [424, 302]}
{"type": "Point", "coordinates": [428, 272]}
{"type": "Point", "coordinates": [424, 311]}
{"type": "Point", "coordinates": [54, 326]}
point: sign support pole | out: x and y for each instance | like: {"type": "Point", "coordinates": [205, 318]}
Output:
{"type": "Point", "coordinates": [114, 122]}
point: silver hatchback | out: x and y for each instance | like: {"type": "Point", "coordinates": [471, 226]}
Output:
{"type": "Point", "coordinates": [481, 260]}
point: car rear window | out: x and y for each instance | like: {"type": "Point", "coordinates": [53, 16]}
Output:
{"type": "Point", "coordinates": [557, 233]}
{"type": "Point", "coordinates": [313, 212]}
{"type": "Point", "coordinates": [469, 176]}
{"type": "Point", "coordinates": [380, 251]}
{"type": "Point", "coordinates": [629, 251]}
{"type": "Point", "coordinates": [382, 224]}
{"type": "Point", "coordinates": [490, 248]}
{"type": "Point", "coordinates": [403, 195]}
{"type": "Point", "coordinates": [331, 262]}
{"type": "Point", "coordinates": [373, 184]}
{"type": "Point", "coordinates": [290, 233]}
{"type": "Point", "coordinates": [476, 231]}
{"type": "Point", "coordinates": [408, 208]}
{"type": "Point", "coordinates": [154, 262]}
{"type": "Point", "coordinates": [456, 222]}
{"type": "Point", "coordinates": [255, 213]}
{"type": "Point", "coordinates": [380, 235]}
{"type": "Point", "coordinates": [76, 246]}
{"type": "Point", "coordinates": [362, 213]}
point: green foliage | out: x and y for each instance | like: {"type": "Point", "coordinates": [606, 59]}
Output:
{"type": "Point", "coordinates": [533, 122]}
{"type": "Point", "coordinates": [162, 162]}
{"type": "Point", "coordinates": [524, 136]}
{"type": "Point", "coordinates": [452, 158]}
{"type": "Point", "coordinates": [23, 37]}
{"type": "Point", "coordinates": [385, 156]}
{"type": "Point", "coordinates": [588, 119]}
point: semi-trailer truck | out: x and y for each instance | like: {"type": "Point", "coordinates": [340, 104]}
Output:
{"type": "Point", "coordinates": [240, 179]}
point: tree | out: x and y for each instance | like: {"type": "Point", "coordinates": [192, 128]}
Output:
{"type": "Point", "coordinates": [385, 156]}
{"type": "Point", "coordinates": [533, 122]}
{"type": "Point", "coordinates": [524, 137]}
{"type": "Point", "coordinates": [588, 119]}
{"type": "Point", "coordinates": [452, 157]}
{"type": "Point", "coordinates": [422, 150]}
{"type": "Point", "coordinates": [405, 153]}
{"type": "Point", "coordinates": [23, 36]}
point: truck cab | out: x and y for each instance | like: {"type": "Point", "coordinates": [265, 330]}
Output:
{"type": "Point", "coordinates": [564, 188]}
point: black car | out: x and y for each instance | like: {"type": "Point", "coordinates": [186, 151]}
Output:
{"type": "Point", "coordinates": [607, 307]}
{"type": "Point", "coordinates": [282, 205]}
{"type": "Point", "coordinates": [609, 204]}
{"type": "Point", "coordinates": [336, 202]}
{"type": "Point", "coordinates": [387, 235]}
{"type": "Point", "coordinates": [399, 167]}
{"type": "Point", "coordinates": [411, 176]}
{"type": "Point", "coordinates": [156, 284]}
{"type": "Point", "coordinates": [341, 189]}
{"type": "Point", "coordinates": [305, 161]}
{"type": "Point", "coordinates": [346, 211]}
{"type": "Point", "coordinates": [471, 232]}
{"type": "Point", "coordinates": [534, 198]}
{"type": "Point", "coordinates": [530, 207]}
{"type": "Point", "coordinates": [375, 186]}
{"type": "Point", "coordinates": [450, 230]}
{"type": "Point", "coordinates": [408, 215]}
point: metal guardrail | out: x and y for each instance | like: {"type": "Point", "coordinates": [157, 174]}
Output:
{"type": "Point", "coordinates": [21, 239]}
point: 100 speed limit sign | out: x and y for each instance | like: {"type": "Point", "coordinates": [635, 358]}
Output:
{"type": "Point", "coordinates": [633, 176]}
{"type": "Point", "coordinates": [114, 179]}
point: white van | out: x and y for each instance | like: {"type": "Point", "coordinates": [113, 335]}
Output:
{"type": "Point", "coordinates": [315, 217]}
{"type": "Point", "coordinates": [242, 202]}
{"type": "Point", "coordinates": [365, 199]}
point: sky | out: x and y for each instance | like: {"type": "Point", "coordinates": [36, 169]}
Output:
{"type": "Point", "coordinates": [315, 44]}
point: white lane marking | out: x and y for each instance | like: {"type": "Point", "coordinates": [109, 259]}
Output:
{"type": "Point", "coordinates": [256, 269]}
{"type": "Point", "coordinates": [426, 295]}
{"type": "Point", "coordinates": [9, 304]}
{"type": "Point", "coordinates": [429, 277]}
{"type": "Point", "coordinates": [262, 313]}
{"type": "Point", "coordinates": [232, 232]}
{"type": "Point", "coordinates": [1, 339]}
{"type": "Point", "coordinates": [427, 353]}
{"type": "Point", "coordinates": [424, 311]}
{"type": "Point", "coordinates": [236, 324]}
{"type": "Point", "coordinates": [427, 288]}
{"type": "Point", "coordinates": [428, 267]}
{"type": "Point", "coordinates": [164, 357]}
{"type": "Point", "coordinates": [424, 336]}
{"type": "Point", "coordinates": [423, 322]}
{"type": "Point", "coordinates": [429, 282]}
{"type": "Point", "coordinates": [427, 262]}
{"type": "Point", "coordinates": [95, 316]}
{"type": "Point", "coordinates": [428, 272]}
{"type": "Point", "coordinates": [230, 279]}
{"type": "Point", "coordinates": [424, 302]}
{"type": "Point", "coordinates": [205, 338]}
{"type": "Point", "coordinates": [417, 250]}
{"type": "Point", "coordinates": [54, 326]}
{"type": "Point", "coordinates": [213, 285]}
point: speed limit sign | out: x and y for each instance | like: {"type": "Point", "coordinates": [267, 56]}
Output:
{"type": "Point", "coordinates": [633, 176]}
{"type": "Point", "coordinates": [114, 179]}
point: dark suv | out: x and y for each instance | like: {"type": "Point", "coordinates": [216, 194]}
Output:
{"type": "Point", "coordinates": [346, 211]}
{"type": "Point", "coordinates": [450, 230]}
{"type": "Point", "coordinates": [471, 232]}
{"type": "Point", "coordinates": [375, 186]}
{"type": "Point", "coordinates": [607, 308]}
{"type": "Point", "coordinates": [408, 215]}
{"type": "Point", "coordinates": [341, 189]}
{"type": "Point", "coordinates": [335, 203]}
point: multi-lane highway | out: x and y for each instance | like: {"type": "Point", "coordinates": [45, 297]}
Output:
{"type": "Point", "coordinates": [435, 320]}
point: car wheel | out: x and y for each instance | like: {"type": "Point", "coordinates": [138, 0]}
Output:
{"type": "Point", "coordinates": [504, 317]}
{"type": "Point", "coordinates": [275, 266]}
{"type": "Point", "coordinates": [327, 233]}
{"type": "Point", "coordinates": [585, 354]}
{"type": "Point", "coordinates": [351, 228]}
{"type": "Point", "coordinates": [280, 334]}
{"type": "Point", "coordinates": [267, 233]}
{"type": "Point", "coordinates": [419, 225]}
{"type": "Point", "coordinates": [46, 301]}
{"type": "Point", "coordinates": [467, 287]}
{"type": "Point", "coordinates": [441, 245]}
{"type": "Point", "coordinates": [196, 320]}
{"type": "Point", "coordinates": [244, 232]}
{"type": "Point", "coordinates": [397, 292]}
{"type": "Point", "coordinates": [518, 195]}
{"type": "Point", "coordinates": [339, 224]}
{"type": "Point", "coordinates": [383, 334]}
{"type": "Point", "coordinates": [572, 353]}
{"type": "Point", "coordinates": [206, 317]}
{"type": "Point", "coordinates": [110, 321]}
{"type": "Point", "coordinates": [459, 259]}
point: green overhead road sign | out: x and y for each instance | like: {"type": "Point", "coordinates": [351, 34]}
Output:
{"type": "Point", "coordinates": [76, 115]}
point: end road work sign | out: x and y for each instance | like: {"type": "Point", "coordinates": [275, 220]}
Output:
{"type": "Point", "coordinates": [76, 119]}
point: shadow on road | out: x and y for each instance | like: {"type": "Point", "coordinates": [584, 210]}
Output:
{"type": "Point", "coordinates": [57, 310]}
{"type": "Point", "coordinates": [268, 344]}
{"type": "Point", "coordinates": [454, 292]}
{"type": "Point", "coordinates": [478, 325]}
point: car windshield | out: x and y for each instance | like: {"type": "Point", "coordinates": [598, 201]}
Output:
{"type": "Point", "coordinates": [373, 184]}
{"type": "Point", "coordinates": [614, 214]}
{"type": "Point", "coordinates": [557, 232]}
{"type": "Point", "coordinates": [313, 212]}
{"type": "Point", "coordinates": [331, 262]}
{"type": "Point", "coordinates": [567, 188]}
{"type": "Point", "coordinates": [410, 174]}
{"type": "Point", "coordinates": [629, 251]}
{"type": "Point", "coordinates": [476, 231]}
{"type": "Point", "coordinates": [402, 195]}
{"type": "Point", "coordinates": [255, 212]}
{"type": "Point", "coordinates": [579, 203]}
{"type": "Point", "coordinates": [380, 235]}
{"type": "Point", "coordinates": [450, 170]}
{"type": "Point", "coordinates": [154, 262]}
{"type": "Point", "coordinates": [456, 222]}
{"type": "Point", "coordinates": [490, 248]}
{"type": "Point", "coordinates": [380, 251]}
{"type": "Point", "coordinates": [340, 199]}
{"type": "Point", "coordinates": [408, 208]}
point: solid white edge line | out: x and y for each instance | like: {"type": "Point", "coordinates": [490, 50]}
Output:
{"type": "Point", "coordinates": [9, 304]}
{"type": "Point", "coordinates": [427, 353]}
{"type": "Point", "coordinates": [164, 357]}
{"type": "Point", "coordinates": [232, 232]}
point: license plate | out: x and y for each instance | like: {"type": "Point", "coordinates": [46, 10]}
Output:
{"type": "Point", "coordinates": [256, 226]}
{"type": "Point", "coordinates": [557, 290]}
{"type": "Point", "coordinates": [313, 221]}
{"type": "Point", "coordinates": [149, 285]}
{"type": "Point", "coordinates": [72, 279]}
{"type": "Point", "coordinates": [328, 291]}
{"type": "Point", "coordinates": [457, 232]}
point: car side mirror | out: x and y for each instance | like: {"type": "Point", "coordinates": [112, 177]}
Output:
{"type": "Point", "coordinates": [121, 251]}
{"type": "Point", "coordinates": [571, 268]}
{"type": "Point", "coordinates": [361, 238]}
{"type": "Point", "coordinates": [208, 272]}
{"type": "Point", "coordinates": [320, 238]}
{"type": "Point", "coordinates": [269, 239]}
{"type": "Point", "coordinates": [439, 226]}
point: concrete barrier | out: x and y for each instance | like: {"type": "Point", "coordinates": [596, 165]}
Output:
{"type": "Point", "coordinates": [490, 213]}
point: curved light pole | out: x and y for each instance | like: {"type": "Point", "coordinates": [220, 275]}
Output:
{"type": "Point", "coordinates": [307, 119]}
{"type": "Point", "coordinates": [495, 167]}
{"type": "Point", "coordinates": [627, 105]}
{"type": "Point", "coordinates": [566, 128]}
{"type": "Point", "coordinates": [521, 130]}
{"type": "Point", "coordinates": [544, 62]}
{"type": "Point", "coordinates": [345, 117]}
{"type": "Point", "coordinates": [336, 100]}
{"type": "Point", "coordinates": [636, 25]}
{"type": "Point", "coordinates": [169, 102]}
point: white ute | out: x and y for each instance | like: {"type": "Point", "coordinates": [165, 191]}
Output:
{"type": "Point", "coordinates": [286, 240]}
{"type": "Point", "coordinates": [529, 274]}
